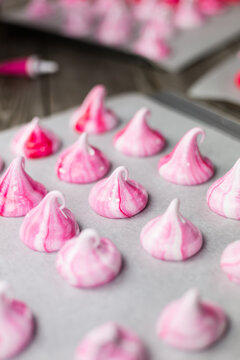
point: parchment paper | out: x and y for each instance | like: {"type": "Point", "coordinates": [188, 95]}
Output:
{"type": "Point", "coordinates": [218, 83]}
{"type": "Point", "coordinates": [187, 46]}
{"type": "Point", "coordinates": [145, 285]}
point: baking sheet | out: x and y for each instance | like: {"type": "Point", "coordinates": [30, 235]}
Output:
{"type": "Point", "coordinates": [145, 285]}
{"type": "Point", "coordinates": [218, 83]}
{"type": "Point", "coordinates": [187, 46]}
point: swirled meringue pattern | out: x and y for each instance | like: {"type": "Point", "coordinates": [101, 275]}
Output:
{"type": "Point", "coordinates": [117, 196]}
{"type": "Point", "coordinates": [185, 165]}
{"type": "Point", "coordinates": [19, 193]}
{"type": "Point", "coordinates": [230, 261]}
{"type": "Point", "coordinates": [223, 196]}
{"type": "Point", "coordinates": [92, 116]}
{"type": "Point", "coordinates": [188, 15]}
{"type": "Point", "coordinates": [49, 225]}
{"type": "Point", "coordinates": [190, 323]}
{"type": "Point", "coordinates": [170, 236]}
{"type": "Point", "coordinates": [110, 341]}
{"type": "Point", "coordinates": [82, 163]}
{"type": "Point", "coordinates": [16, 324]}
{"type": "Point", "coordinates": [137, 138]}
{"type": "Point", "coordinates": [34, 141]}
{"type": "Point", "coordinates": [88, 260]}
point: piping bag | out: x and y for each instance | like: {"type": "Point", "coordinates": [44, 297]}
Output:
{"type": "Point", "coordinates": [31, 66]}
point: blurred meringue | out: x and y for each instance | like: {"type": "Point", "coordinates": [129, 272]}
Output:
{"type": "Point", "coordinates": [16, 324]}
{"type": "Point", "coordinates": [110, 341]}
{"type": "Point", "coordinates": [230, 261]}
{"type": "Point", "coordinates": [137, 138]}
{"type": "Point", "coordinates": [185, 165]}
{"type": "Point", "coordinates": [92, 116]}
{"type": "Point", "coordinates": [188, 15]}
{"type": "Point", "coordinates": [171, 236]}
{"type": "Point", "coordinates": [40, 9]}
{"type": "Point", "coordinates": [35, 141]}
{"type": "Point", "coordinates": [49, 225]}
{"type": "Point", "coordinates": [82, 163]}
{"type": "Point", "coordinates": [88, 260]}
{"type": "Point", "coordinates": [118, 196]}
{"type": "Point", "coordinates": [223, 196]}
{"type": "Point", "coordinates": [190, 323]}
{"type": "Point", "coordinates": [211, 7]}
{"type": "Point", "coordinates": [19, 193]}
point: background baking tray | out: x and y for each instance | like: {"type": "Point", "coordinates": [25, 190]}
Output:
{"type": "Point", "coordinates": [145, 285]}
{"type": "Point", "coordinates": [187, 46]}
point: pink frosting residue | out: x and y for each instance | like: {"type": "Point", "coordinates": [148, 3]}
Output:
{"type": "Point", "coordinates": [137, 138]}
{"type": "Point", "coordinates": [19, 193]}
{"type": "Point", "coordinates": [185, 165]}
{"type": "Point", "coordinates": [16, 324]}
{"type": "Point", "coordinates": [111, 341]}
{"type": "Point", "coordinates": [116, 26]}
{"type": "Point", "coordinates": [151, 43]}
{"type": "Point", "coordinates": [230, 261]}
{"type": "Point", "coordinates": [191, 323]}
{"type": "Point", "coordinates": [82, 163]}
{"type": "Point", "coordinates": [223, 196]}
{"type": "Point", "coordinates": [89, 261]}
{"type": "Point", "coordinates": [188, 14]}
{"type": "Point", "coordinates": [171, 236]}
{"type": "Point", "coordinates": [40, 9]}
{"type": "Point", "coordinates": [92, 116]}
{"type": "Point", "coordinates": [35, 141]}
{"type": "Point", "coordinates": [211, 7]}
{"type": "Point", "coordinates": [49, 225]}
{"type": "Point", "coordinates": [118, 196]}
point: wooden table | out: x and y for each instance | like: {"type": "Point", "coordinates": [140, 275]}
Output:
{"type": "Point", "coordinates": [83, 66]}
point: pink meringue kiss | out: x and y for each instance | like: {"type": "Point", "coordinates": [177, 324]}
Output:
{"type": "Point", "coordinates": [16, 324]}
{"type": "Point", "coordinates": [211, 7]}
{"type": "Point", "coordinates": [82, 163]}
{"type": "Point", "coordinates": [49, 225]}
{"type": "Point", "coordinates": [230, 261]}
{"type": "Point", "coordinates": [137, 138]}
{"type": "Point", "coordinates": [35, 141]}
{"type": "Point", "coordinates": [116, 26]}
{"type": "Point", "coordinates": [190, 323]}
{"type": "Point", "coordinates": [92, 116]}
{"type": "Point", "coordinates": [40, 9]}
{"type": "Point", "coordinates": [19, 193]}
{"type": "Point", "coordinates": [188, 15]}
{"type": "Point", "coordinates": [185, 165]}
{"type": "Point", "coordinates": [111, 341]}
{"type": "Point", "coordinates": [223, 196]}
{"type": "Point", "coordinates": [117, 196]}
{"type": "Point", "coordinates": [89, 261]}
{"type": "Point", "coordinates": [171, 236]}
{"type": "Point", "coordinates": [151, 44]}
{"type": "Point", "coordinates": [78, 19]}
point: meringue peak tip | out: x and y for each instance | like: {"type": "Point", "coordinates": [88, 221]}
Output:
{"type": "Point", "coordinates": [174, 205]}
{"type": "Point", "coordinates": [35, 121]}
{"type": "Point", "coordinates": [56, 194]}
{"type": "Point", "coordinates": [121, 171]}
{"type": "Point", "coordinates": [192, 296]}
{"type": "Point", "coordinates": [89, 237]}
{"type": "Point", "coordinates": [4, 288]}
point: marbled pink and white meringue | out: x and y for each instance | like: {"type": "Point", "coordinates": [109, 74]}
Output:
{"type": "Point", "coordinates": [82, 163]}
{"type": "Point", "coordinates": [230, 261]}
{"type": "Point", "coordinates": [89, 261]}
{"type": "Point", "coordinates": [151, 44]}
{"type": "Point", "coordinates": [185, 165]}
{"type": "Point", "coordinates": [16, 324]}
{"type": "Point", "coordinates": [117, 196]}
{"type": "Point", "coordinates": [35, 141]}
{"type": "Point", "coordinates": [110, 341]}
{"type": "Point", "coordinates": [171, 236]}
{"type": "Point", "coordinates": [19, 193]}
{"type": "Point", "coordinates": [92, 116]}
{"type": "Point", "coordinates": [49, 225]}
{"type": "Point", "coordinates": [188, 15]}
{"type": "Point", "coordinates": [211, 7]}
{"type": "Point", "coordinates": [223, 196]}
{"type": "Point", "coordinates": [190, 323]}
{"type": "Point", "coordinates": [137, 138]}
{"type": "Point", "coordinates": [162, 20]}
{"type": "Point", "coordinates": [144, 9]}
{"type": "Point", "coordinates": [116, 26]}
{"type": "Point", "coordinates": [40, 9]}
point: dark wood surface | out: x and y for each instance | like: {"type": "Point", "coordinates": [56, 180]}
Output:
{"type": "Point", "coordinates": [83, 66]}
